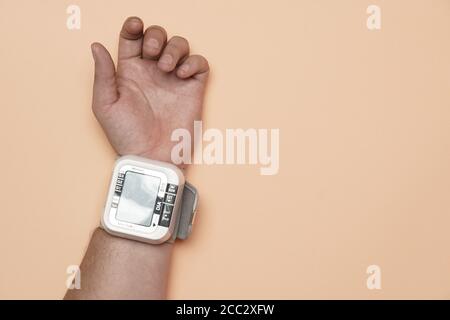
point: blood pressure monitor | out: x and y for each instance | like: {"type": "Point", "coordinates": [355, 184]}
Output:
{"type": "Point", "coordinates": [149, 201]}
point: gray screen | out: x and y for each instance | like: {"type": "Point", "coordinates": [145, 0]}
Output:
{"type": "Point", "coordinates": [138, 198]}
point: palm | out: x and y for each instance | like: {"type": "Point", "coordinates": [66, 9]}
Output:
{"type": "Point", "coordinates": [151, 105]}
{"type": "Point", "coordinates": [147, 105]}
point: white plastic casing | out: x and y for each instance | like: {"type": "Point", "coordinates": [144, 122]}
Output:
{"type": "Point", "coordinates": [155, 234]}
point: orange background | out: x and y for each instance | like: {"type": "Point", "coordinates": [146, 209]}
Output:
{"type": "Point", "coordinates": [364, 120]}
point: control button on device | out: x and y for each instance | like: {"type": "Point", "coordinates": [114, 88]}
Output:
{"type": "Point", "coordinates": [166, 216]}
{"type": "Point", "coordinates": [159, 205]}
{"type": "Point", "coordinates": [170, 198]}
{"type": "Point", "coordinates": [155, 220]}
{"type": "Point", "coordinates": [115, 201]}
{"type": "Point", "coordinates": [119, 183]}
{"type": "Point", "coordinates": [172, 188]}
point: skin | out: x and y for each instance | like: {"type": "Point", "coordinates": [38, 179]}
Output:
{"type": "Point", "coordinates": [158, 87]}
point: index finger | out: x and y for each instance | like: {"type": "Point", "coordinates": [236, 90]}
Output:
{"type": "Point", "coordinates": [130, 41]}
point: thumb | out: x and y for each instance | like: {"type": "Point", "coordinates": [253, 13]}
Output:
{"type": "Point", "coordinates": [105, 90]}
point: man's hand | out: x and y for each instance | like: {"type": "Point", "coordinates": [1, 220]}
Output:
{"type": "Point", "coordinates": [158, 87]}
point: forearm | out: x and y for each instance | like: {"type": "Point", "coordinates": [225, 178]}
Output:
{"type": "Point", "coordinates": [117, 268]}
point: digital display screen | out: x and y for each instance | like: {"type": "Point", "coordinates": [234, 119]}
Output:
{"type": "Point", "coordinates": [138, 197]}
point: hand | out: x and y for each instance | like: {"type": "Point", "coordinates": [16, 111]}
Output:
{"type": "Point", "coordinates": [158, 87]}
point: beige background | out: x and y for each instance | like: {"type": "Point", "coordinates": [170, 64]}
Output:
{"type": "Point", "coordinates": [364, 119]}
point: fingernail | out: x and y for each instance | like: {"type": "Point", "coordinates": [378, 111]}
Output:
{"type": "Point", "coordinates": [153, 44]}
{"type": "Point", "coordinates": [166, 59]}
{"type": "Point", "coordinates": [184, 69]}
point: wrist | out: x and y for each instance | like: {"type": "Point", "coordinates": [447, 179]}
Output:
{"type": "Point", "coordinates": [118, 242]}
{"type": "Point", "coordinates": [164, 157]}
{"type": "Point", "coordinates": [149, 201]}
